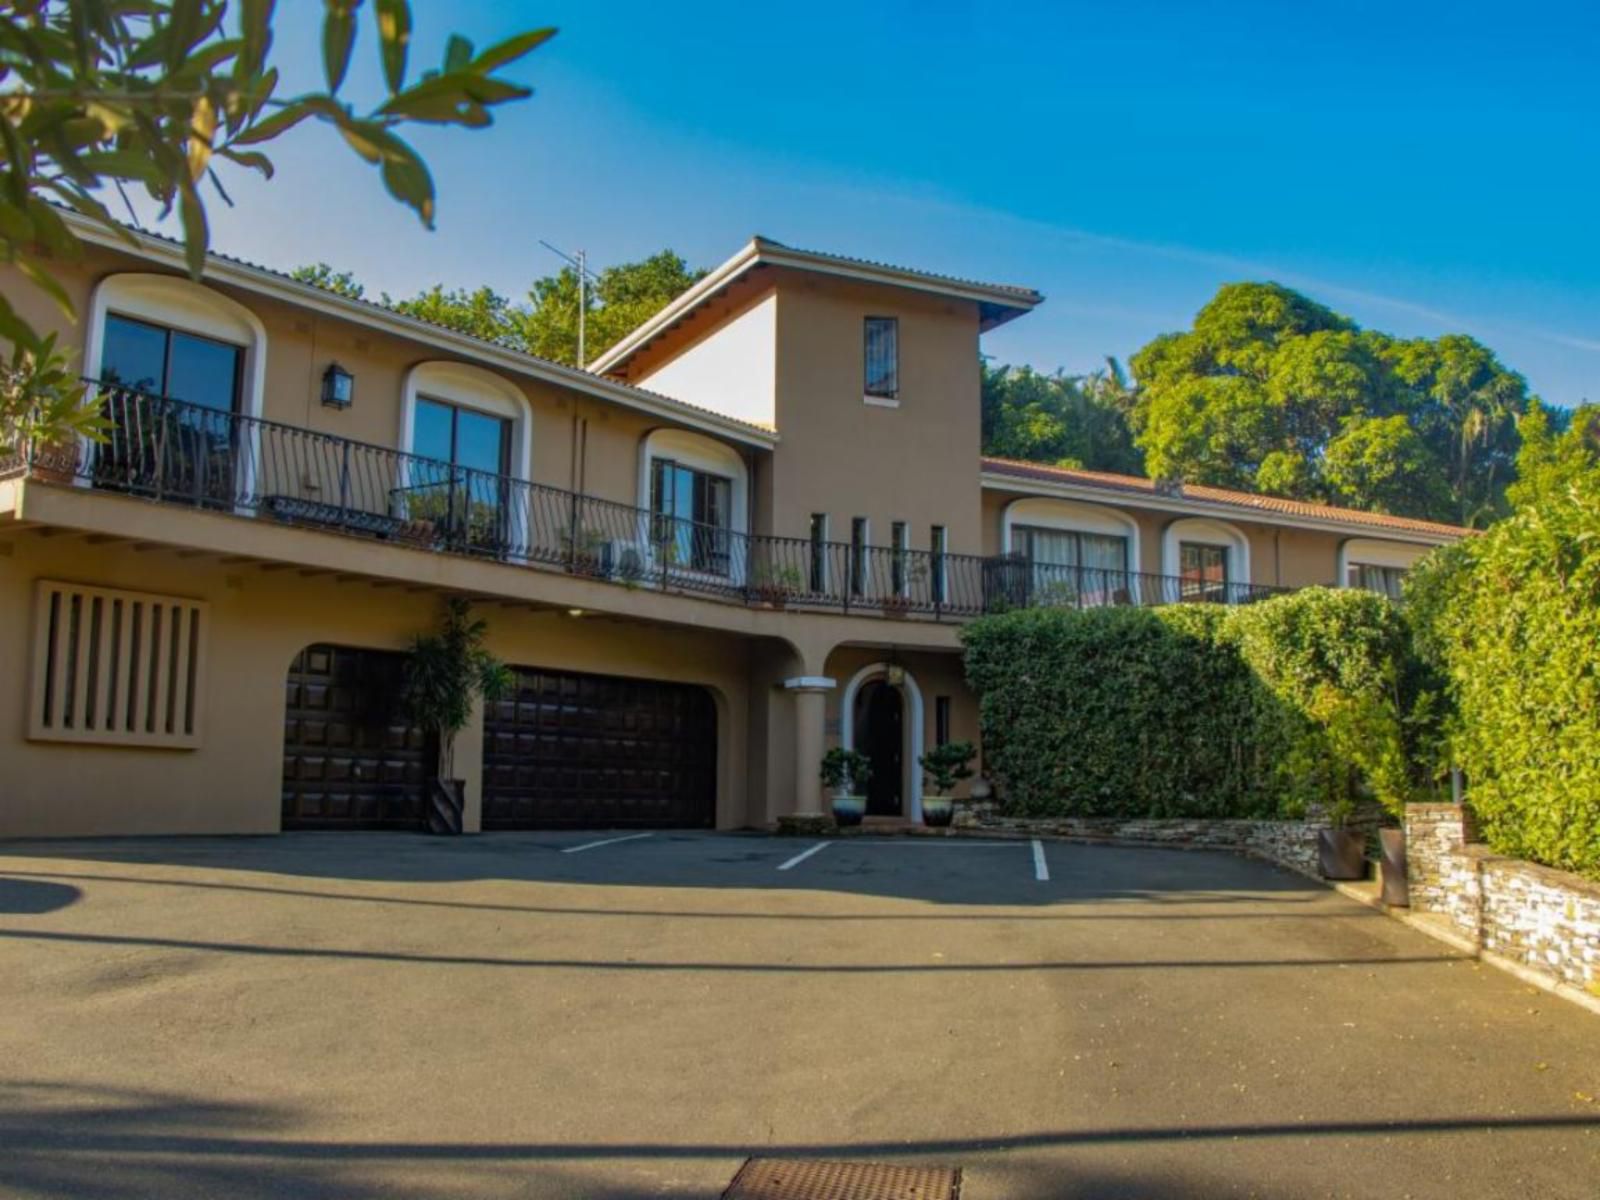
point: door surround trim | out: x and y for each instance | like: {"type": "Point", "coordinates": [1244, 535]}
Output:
{"type": "Point", "coordinates": [911, 695]}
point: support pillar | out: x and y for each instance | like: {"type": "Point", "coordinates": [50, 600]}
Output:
{"type": "Point", "coordinates": [810, 694]}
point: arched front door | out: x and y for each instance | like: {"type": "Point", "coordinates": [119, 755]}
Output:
{"type": "Point", "coordinates": [880, 735]}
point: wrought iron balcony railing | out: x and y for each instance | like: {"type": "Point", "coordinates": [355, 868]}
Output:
{"type": "Point", "coordinates": [191, 455]}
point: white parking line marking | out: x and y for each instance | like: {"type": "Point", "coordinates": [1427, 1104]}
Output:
{"type": "Point", "coordinates": [632, 837]}
{"type": "Point", "coordinates": [803, 855]}
{"type": "Point", "coordinates": [1041, 871]}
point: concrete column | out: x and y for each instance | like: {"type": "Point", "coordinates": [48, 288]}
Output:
{"type": "Point", "coordinates": [810, 694]}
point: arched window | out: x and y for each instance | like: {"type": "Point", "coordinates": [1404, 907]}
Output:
{"type": "Point", "coordinates": [697, 492]}
{"type": "Point", "coordinates": [1209, 558]}
{"type": "Point", "coordinates": [1075, 553]}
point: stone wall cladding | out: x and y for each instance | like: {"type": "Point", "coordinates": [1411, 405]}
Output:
{"type": "Point", "coordinates": [1542, 919]}
{"type": "Point", "coordinates": [1291, 844]}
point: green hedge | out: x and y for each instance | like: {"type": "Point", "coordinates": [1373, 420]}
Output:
{"type": "Point", "coordinates": [1513, 620]}
{"type": "Point", "coordinates": [1196, 710]}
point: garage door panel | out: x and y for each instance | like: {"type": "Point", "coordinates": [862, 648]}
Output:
{"type": "Point", "coordinates": [579, 750]}
{"type": "Point", "coordinates": [351, 761]}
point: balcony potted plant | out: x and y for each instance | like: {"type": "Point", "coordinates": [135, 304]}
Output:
{"type": "Point", "coordinates": [772, 586]}
{"type": "Point", "coordinates": [845, 774]}
{"type": "Point", "coordinates": [582, 551]}
{"type": "Point", "coordinates": [943, 767]}
{"type": "Point", "coordinates": [447, 672]}
{"type": "Point", "coordinates": [46, 416]}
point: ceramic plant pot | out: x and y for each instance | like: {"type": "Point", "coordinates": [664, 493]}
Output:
{"type": "Point", "coordinates": [938, 811]}
{"type": "Point", "coordinates": [848, 810]}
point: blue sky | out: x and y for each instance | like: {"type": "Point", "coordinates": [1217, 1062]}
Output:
{"type": "Point", "coordinates": [1423, 167]}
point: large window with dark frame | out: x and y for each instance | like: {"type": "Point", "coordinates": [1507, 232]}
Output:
{"type": "Point", "coordinates": [1202, 572]}
{"type": "Point", "coordinates": [1066, 566]}
{"type": "Point", "coordinates": [1389, 581]}
{"type": "Point", "coordinates": [692, 516]}
{"type": "Point", "coordinates": [181, 450]}
{"type": "Point", "coordinates": [882, 380]}
{"type": "Point", "coordinates": [458, 476]}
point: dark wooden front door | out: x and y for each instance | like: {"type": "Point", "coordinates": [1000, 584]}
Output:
{"type": "Point", "coordinates": [350, 759]}
{"type": "Point", "coordinates": [578, 751]}
{"type": "Point", "coordinates": [880, 721]}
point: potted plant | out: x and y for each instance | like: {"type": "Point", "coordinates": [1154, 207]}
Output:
{"type": "Point", "coordinates": [582, 551]}
{"type": "Point", "coordinates": [944, 766]}
{"type": "Point", "coordinates": [44, 415]}
{"type": "Point", "coordinates": [773, 586]}
{"type": "Point", "coordinates": [845, 774]}
{"type": "Point", "coordinates": [447, 672]}
{"type": "Point", "coordinates": [1341, 852]}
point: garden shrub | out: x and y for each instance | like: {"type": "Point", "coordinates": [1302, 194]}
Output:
{"type": "Point", "coordinates": [1195, 710]}
{"type": "Point", "coordinates": [1512, 618]}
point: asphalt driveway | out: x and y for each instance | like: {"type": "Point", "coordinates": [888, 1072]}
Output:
{"type": "Point", "coordinates": [362, 1016]}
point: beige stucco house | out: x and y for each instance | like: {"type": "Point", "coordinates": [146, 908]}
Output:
{"type": "Point", "coordinates": [749, 531]}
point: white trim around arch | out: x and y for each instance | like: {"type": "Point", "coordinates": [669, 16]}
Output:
{"type": "Point", "coordinates": [1374, 552]}
{"type": "Point", "coordinates": [179, 303]}
{"type": "Point", "coordinates": [1207, 531]}
{"type": "Point", "coordinates": [1075, 516]}
{"type": "Point", "coordinates": [475, 388]}
{"type": "Point", "coordinates": [911, 750]}
{"type": "Point", "coordinates": [701, 453]}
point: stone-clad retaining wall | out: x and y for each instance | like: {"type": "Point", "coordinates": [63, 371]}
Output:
{"type": "Point", "coordinates": [1545, 920]}
{"type": "Point", "coordinates": [1292, 844]}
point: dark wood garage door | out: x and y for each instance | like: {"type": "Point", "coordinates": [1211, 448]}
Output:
{"type": "Point", "coordinates": [596, 751]}
{"type": "Point", "coordinates": [350, 759]}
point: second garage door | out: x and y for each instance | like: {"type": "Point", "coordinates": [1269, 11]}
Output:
{"type": "Point", "coordinates": [599, 751]}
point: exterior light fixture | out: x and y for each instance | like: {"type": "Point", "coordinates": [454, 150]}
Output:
{"type": "Point", "coordinates": [338, 386]}
{"type": "Point", "coordinates": [574, 612]}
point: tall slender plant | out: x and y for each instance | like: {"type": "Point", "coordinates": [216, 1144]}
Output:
{"type": "Point", "coordinates": [446, 673]}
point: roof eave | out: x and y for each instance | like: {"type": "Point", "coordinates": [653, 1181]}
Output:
{"type": "Point", "coordinates": [310, 296]}
{"type": "Point", "coordinates": [1193, 506]}
{"type": "Point", "coordinates": [996, 305]}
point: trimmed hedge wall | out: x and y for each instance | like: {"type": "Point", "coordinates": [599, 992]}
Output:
{"type": "Point", "coordinates": [1513, 620]}
{"type": "Point", "coordinates": [1195, 710]}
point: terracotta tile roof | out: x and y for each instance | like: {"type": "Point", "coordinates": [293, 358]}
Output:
{"type": "Point", "coordinates": [1139, 485]}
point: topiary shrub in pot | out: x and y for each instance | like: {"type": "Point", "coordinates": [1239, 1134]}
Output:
{"type": "Point", "coordinates": [845, 774]}
{"type": "Point", "coordinates": [944, 766]}
{"type": "Point", "coordinates": [446, 673]}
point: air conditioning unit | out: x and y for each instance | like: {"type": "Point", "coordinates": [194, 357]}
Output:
{"type": "Point", "coordinates": [624, 560]}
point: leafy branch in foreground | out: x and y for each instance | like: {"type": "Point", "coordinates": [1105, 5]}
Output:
{"type": "Point", "coordinates": [103, 94]}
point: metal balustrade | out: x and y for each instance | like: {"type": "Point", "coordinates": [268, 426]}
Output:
{"type": "Point", "coordinates": [191, 455]}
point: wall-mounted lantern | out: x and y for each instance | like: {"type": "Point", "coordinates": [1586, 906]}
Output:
{"type": "Point", "coordinates": [338, 387]}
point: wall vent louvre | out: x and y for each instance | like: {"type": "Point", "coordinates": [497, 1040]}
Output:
{"type": "Point", "coordinates": [117, 667]}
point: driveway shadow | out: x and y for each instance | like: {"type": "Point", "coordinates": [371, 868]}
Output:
{"type": "Point", "coordinates": [34, 897]}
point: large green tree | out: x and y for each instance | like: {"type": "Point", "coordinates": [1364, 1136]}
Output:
{"type": "Point", "coordinates": [1271, 391]}
{"type": "Point", "coordinates": [617, 301]}
{"type": "Point", "coordinates": [1065, 420]}
{"type": "Point", "coordinates": [97, 96]}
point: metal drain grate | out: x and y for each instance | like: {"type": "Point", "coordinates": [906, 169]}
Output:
{"type": "Point", "coordinates": [809, 1179]}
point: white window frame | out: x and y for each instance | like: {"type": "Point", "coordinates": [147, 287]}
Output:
{"type": "Point", "coordinates": [178, 303]}
{"type": "Point", "coordinates": [699, 453]}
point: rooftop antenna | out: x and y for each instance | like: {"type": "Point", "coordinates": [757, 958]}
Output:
{"type": "Point", "coordinates": [581, 263]}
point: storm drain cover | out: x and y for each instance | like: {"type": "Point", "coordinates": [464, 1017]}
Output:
{"type": "Point", "coordinates": [810, 1179]}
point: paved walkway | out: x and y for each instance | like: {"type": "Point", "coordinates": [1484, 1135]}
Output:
{"type": "Point", "coordinates": [363, 1016]}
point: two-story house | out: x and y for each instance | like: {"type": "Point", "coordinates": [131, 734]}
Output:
{"type": "Point", "coordinates": [747, 532]}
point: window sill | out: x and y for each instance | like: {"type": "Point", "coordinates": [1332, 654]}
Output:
{"type": "Point", "coordinates": [881, 401]}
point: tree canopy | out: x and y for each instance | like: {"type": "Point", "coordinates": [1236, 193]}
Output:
{"type": "Point", "coordinates": [618, 300]}
{"type": "Point", "coordinates": [1064, 420]}
{"type": "Point", "coordinates": [1270, 391]}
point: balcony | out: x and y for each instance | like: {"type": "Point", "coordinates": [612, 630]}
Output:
{"type": "Point", "coordinates": [201, 458]}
